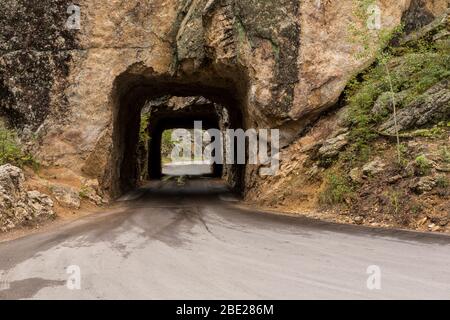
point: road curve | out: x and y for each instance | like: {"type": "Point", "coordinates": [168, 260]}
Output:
{"type": "Point", "coordinates": [168, 241]}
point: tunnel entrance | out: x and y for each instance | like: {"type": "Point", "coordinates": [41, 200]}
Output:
{"type": "Point", "coordinates": [146, 109]}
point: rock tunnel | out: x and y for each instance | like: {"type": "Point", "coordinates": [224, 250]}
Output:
{"type": "Point", "coordinates": [168, 104]}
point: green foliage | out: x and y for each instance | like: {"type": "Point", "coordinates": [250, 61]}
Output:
{"type": "Point", "coordinates": [167, 145]}
{"type": "Point", "coordinates": [361, 98]}
{"type": "Point", "coordinates": [11, 152]}
{"type": "Point", "coordinates": [421, 64]}
{"type": "Point", "coordinates": [436, 131]}
{"type": "Point", "coordinates": [144, 136]}
{"type": "Point", "coordinates": [420, 71]}
{"type": "Point", "coordinates": [423, 165]}
{"type": "Point", "coordinates": [403, 155]}
{"type": "Point", "coordinates": [338, 189]}
{"type": "Point", "coordinates": [413, 73]}
{"type": "Point", "coordinates": [445, 154]}
{"type": "Point", "coordinates": [84, 192]}
{"type": "Point", "coordinates": [442, 182]}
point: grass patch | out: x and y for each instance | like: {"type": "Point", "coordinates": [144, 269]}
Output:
{"type": "Point", "coordinates": [436, 132]}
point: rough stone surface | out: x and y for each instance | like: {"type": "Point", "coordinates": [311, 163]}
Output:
{"type": "Point", "coordinates": [331, 147]}
{"type": "Point", "coordinates": [420, 14]}
{"type": "Point", "coordinates": [17, 206]}
{"type": "Point", "coordinates": [384, 106]}
{"type": "Point", "coordinates": [388, 192]}
{"type": "Point", "coordinates": [90, 190]}
{"type": "Point", "coordinates": [66, 196]}
{"type": "Point", "coordinates": [356, 175]}
{"type": "Point", "coordinates": [34, 60]}
{"type": "Point", "coordinates": [373, 168]}
{"type": "Point", "coordinates": [424, 184]}
{"type": "Point", "coordinates": [431, 107]}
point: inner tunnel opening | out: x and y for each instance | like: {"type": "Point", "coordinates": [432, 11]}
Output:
{"type": "Point", "coordinates": [147, 113]}
{"type": "Point", "coordinates": [178, 158]}
{"type": "Point", "coordinates": [176, 147]}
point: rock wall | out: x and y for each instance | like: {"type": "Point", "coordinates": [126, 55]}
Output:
{"type": "Point", "coordinates": [34, 61]}
{"type": "Point", "coordinates": [285, 61]}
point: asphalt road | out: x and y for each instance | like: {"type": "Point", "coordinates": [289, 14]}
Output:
{"type": "Point", "coordinates": [167, 241]}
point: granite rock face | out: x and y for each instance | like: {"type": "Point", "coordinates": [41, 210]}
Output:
{"type": "Point", "coordinates": [280, 63]}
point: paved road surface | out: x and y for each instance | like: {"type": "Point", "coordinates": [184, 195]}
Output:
{"type": "Point", "coordinates": [192, 242]}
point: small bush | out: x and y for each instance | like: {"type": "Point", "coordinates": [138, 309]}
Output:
{"type": "Point", "coordinates": [443, 182]}
{"type": "Point", "coordinates": [338, 189]}
{"type": "Point", "coordinates": [423, 165]}
{"type": "Point", "coordinates": [394, 198]}
{"type": "Point", "coordinates": [11, 152]}
{"type": "Point", "coordinates": [445, 154]}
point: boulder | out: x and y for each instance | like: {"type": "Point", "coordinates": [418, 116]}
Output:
{"type": "Point", "coordinates": [91, 194]}
{"type": "Point", "coordinates": [384, 105]}
{"type": "Point", "coordinates": [356, 175]}
{"type": "Point", "coordinates": [424, 184]}
{"type": "Point", "coordinates": [66, 196]}
{"type": "Point", "coordinates": [333, 146]}
{"type": "Point", "coordinates": [373, 168]}
{"type": "Point", "coordinates": [17, 206]}
{"type": "Point", "coordinates": [395, 179]}
{"type": "Point", "coordinates": [40, 203]}
{"type": "Point", "coordinates": [431, 107]}
{"type": "Point", "coordinates": [358, 220]}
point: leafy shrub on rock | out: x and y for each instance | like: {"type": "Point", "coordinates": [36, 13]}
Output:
{"type": "Point", "coordinates": [11, 151]}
